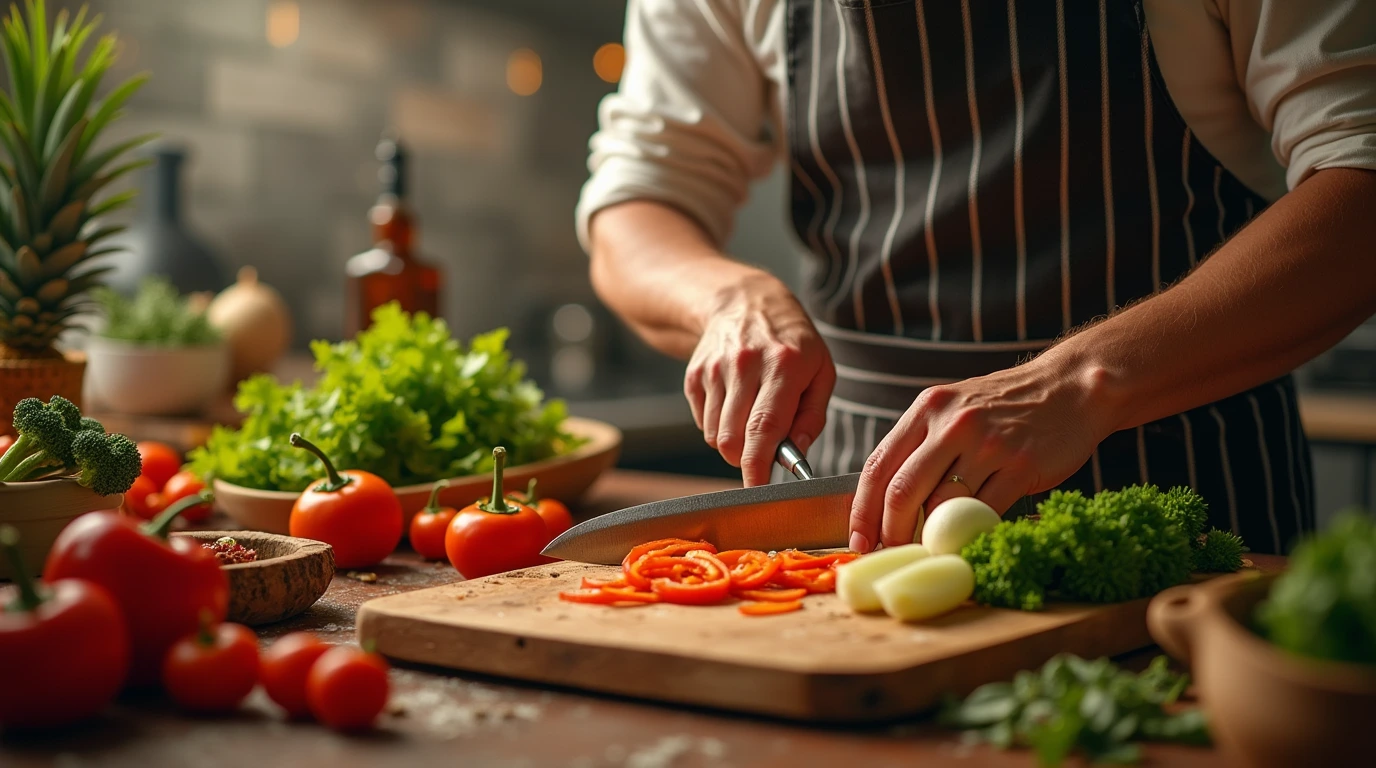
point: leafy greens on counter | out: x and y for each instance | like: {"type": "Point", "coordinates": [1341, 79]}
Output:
{"type": "Point", "coordinates": [1075, 704]}
{"type": "Point", "coordinates": [404, 400]}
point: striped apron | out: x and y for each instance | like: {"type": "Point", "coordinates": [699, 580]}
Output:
{"type": "Point", "coordinates": [975, 178]}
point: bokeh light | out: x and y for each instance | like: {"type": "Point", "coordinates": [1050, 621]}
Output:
{"type": "Point", "coordinates": [524, 72]}
{"type": "Point", "coordinates": [608, 62]}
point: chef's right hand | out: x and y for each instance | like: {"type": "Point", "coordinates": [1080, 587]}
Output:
{"type": "Point", "coordinates": [759, 373]}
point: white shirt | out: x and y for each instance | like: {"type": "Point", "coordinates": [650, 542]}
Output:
{"type": "Point", "coordinates": [1274, 89]}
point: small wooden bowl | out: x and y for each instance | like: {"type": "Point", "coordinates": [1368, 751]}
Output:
{"type": "Point", "coordinates": [289, 575]}
{"type": "Point", "coordinates": [562, 477]}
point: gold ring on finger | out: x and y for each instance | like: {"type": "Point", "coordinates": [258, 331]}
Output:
{"type": "Point", "coordinates": [961, 482]}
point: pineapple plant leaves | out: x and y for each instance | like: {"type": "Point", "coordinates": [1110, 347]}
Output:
{"type": "Point", "coordinates": [51, 171]}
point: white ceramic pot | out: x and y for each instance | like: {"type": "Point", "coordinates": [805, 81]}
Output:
{"type": "Point", "coordinates": [40, 510]}
{"type": "Point", "coordinates": [154, 381]}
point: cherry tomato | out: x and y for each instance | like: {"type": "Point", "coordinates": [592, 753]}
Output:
{"type": "Point", "coordinates": [142, 500]}
{"type": "Point", "coordinates": [64, 649]}
{"type": "Point", "coordinates": [285, 667]}
{"type": "Point", "coordinates": [495, 535]}
{"type": "Point", "coordinates": [430, 524]}
{"type": "Point", "coordinates": [213, 669]}
{"type": "Point", "coordinates": [347, 688]}
{"type": "Point", "coordinates": [160, 461]}
{"type": "Point", "coordinates": [355, 512]}
{"type": "Point", "coordinates": [180, 486]}
{"type": "Point", "coordinates": [555, 514]}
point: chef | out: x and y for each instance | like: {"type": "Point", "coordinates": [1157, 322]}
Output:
{"type": "Point", "coordinates": [1052, 243]}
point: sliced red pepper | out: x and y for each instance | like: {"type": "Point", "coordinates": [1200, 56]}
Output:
{"type": "Point", "coordinates": [713, 587]}
{"type": "Point", "coordinates": [771, 595]}
{"type": "Point", "coordinates": [814, 580]}
{"type": "Point", "coordinates": [632, 595]}
{"type": "Point", "coordinates": [794, 560]}
{"type": "Point", "coordinates": [770, 608]}
{"type": "Point", "coordinates": [607, 597]}
{"type": "Point", "coordinates": [750, 568]}
{"type": "Point", "coordinates": [661, 548]}
{"type": "Point", "coordinates": [588, 583]}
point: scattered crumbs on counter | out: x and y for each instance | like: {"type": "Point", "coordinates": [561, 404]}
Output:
{"type": "Point", "coordinates": [554, 574]}
{"type": "Point", "coordinates": [661, 754]}
{"type": "Point", "coordinates": [496, 583]}
{"type": "Point", "coordinates": [460, 597]}
{"type": "Point", "coordinates": [367, 577]}
{"type": "Point", "coordinates": [439, 713]}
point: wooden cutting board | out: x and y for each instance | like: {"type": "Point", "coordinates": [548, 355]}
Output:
{"type": "Point", "coordinates": [821, 663]}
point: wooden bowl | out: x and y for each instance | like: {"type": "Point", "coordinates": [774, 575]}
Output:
{"type": "Point", "coordinates": [1267, 707]}
{"type": "Point", "coordinates": [562, 477]}
{"type": "Point", "coordinates": [289, 575]}
{"type": "Point", "coordinates": [40, 510]}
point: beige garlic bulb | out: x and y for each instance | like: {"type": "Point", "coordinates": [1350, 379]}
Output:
{"type": "Point", "coordinates": [255, 322]}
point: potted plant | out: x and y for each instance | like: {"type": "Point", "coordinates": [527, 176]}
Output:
{"type": "Point", "coordinates": [52, 174]}
{"type": "Point", "coordinates": [156, 354]}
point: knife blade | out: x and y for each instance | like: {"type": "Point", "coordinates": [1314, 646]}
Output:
{"type": "Point", "coordinates": [812, 513]}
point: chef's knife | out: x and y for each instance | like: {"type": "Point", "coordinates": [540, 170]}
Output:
{"type": "Point", "coordinates": [812, 513]}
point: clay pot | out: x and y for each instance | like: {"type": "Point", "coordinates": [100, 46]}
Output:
{"type": "Point", "coordinates": [40, 510]}
{"type": "Point", "coordinates": [1267, 707]}
{"type": "Point", "coordinates": [41, 378]}
{"type": "Point", "coordinates": [145, 380]}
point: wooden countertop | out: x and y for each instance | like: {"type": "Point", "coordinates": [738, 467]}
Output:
{"type": "Point", "coordinates": [1333, 417]}
{"type": "Point", "coordinates": [438, 718]}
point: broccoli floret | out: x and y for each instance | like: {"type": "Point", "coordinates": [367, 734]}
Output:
{"type": "Point", "coordinates": [89, 424]}
{"type": "Point", "coordinates": [1219, 552]}
{"type": "Point", "coordinates": [107, 464]}
{"type": "Point", "coordinates": [71, 415]}
{"type": "Point", "coordinates": [44, 445]}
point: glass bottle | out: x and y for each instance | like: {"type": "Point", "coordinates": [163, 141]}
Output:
{"type": "Point", "coordinates": [390, 270]}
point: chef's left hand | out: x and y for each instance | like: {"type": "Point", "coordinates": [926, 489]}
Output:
{"type": "Point", "coordinates": [1006, 435]}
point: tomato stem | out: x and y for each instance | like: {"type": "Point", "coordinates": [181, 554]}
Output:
{"type": "Point", "coordinates": [204, 636]}
{"type": "Point", "coordinates": [333, 480]}
{"type": "Point", "coordinates": [29, 598]}
{"type": "Point", "coordinates": [433, 505]}
{"type": "Point", "coordinates": [496, 503]}
{"type": "Point", "coordinates": [161, 525]}
{"type": "Point", "coordinates": [531, 498]}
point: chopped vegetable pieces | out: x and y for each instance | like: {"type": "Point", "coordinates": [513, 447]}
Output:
{"type": "Point", "coordinates": [695, 573]}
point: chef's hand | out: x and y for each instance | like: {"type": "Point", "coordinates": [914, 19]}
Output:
{"type": "Point", "coordinates": [1014, 432]}
{"type": "Point", "coordinates": [759, 373]}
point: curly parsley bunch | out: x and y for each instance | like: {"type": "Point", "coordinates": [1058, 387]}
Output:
{"type": "Point", "coordinates": [1114, 546]}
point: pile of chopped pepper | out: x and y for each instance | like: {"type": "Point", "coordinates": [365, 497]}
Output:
{"type": "Point", "coordinates": [695, 573]}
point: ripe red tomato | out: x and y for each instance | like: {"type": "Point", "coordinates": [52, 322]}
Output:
{"type": "Point", "coordinates": [347, 688]}
{"type": "Point", "coordinates": [63, 660]}
{"type": "Point", "coordinates": [181, 485]}
{"type": "Point", "coordinates": [142, 500]}
{"type": "Point", "coordinates": [480, 543]}
{"type": "Point", "coordinates": [160, 461]}
{"type": "Point", "coordinates": [213, 669]}
{"type": "Point", "coordinates": [552, 511]}
{"type": "Point", "coordinates": [429, 525]}
{"type": "Point", "coordinates": [285, 666]}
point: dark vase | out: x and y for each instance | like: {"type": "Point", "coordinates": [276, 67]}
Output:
{"type": "Point", "coordinates": [157, 241]}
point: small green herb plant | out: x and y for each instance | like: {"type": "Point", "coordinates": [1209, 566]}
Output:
{"type": "Point", "coordinates": [1324, 605]}
{"type": "Point", "coordinates": [1073, 704]}
{"type": "Point", "coordinates": [404, 400]}
{"type": "Point", "coordinates": [157, 315]}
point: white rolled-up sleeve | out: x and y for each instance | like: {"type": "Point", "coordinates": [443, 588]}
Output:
{"type": "Point", "coordinates": [687, 125]}
{"type": "Point", "coordinates": [1309, 73]}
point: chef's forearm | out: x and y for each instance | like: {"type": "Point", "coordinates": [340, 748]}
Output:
{"type": "Point", "coordinates": [1294, 282]}
{"type": "Point", "coordinates": [657, 269]}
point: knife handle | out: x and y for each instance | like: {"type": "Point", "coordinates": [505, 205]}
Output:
{"type": "Point", "coordinates": [793, 460]}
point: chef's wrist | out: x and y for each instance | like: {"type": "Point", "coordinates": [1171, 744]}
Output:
{"type": "Point", "coordinates": [1100, 388]}
{"type": "Point", "coordinates": [739, 289]}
